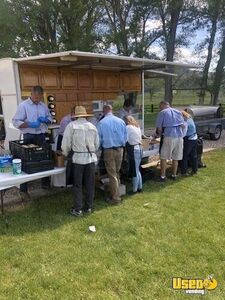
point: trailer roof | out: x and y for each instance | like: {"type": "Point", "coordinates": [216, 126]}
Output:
{"type": "Point", "coordinates": [96, 61]}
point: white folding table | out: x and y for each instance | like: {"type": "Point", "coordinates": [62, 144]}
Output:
{"type": "Point", "coordinates": [8, 180]}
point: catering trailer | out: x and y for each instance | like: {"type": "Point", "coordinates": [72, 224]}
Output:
{"type": "Point", "coordinates": [75, 78]}
{"type": "Point", "coordinates": [209, 120]}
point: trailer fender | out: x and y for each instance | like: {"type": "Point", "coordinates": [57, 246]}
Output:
{"type": "Point", "coordinates": [213, 127]}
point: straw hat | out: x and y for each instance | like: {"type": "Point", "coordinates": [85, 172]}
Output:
{"type": "Point", "coordinates": [80, 111]}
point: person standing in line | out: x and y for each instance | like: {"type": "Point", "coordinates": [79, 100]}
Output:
{"type": "Point", "coordinates": [113, 137]}
{"type": "Point", "coordinates": [134, 152]}
{"type": "Point", "coordinates": [81, 137]}
{"type": "Point", "coordinates": [62, 126]}
{"type": "Point", "coordinates": [190, 146]}
{"type": "Point", "coordinates": [169, 125]}
{"type": "Point", "coordinates": [126, 110]}
{"type": "Point", "coordinates": [32, 118]}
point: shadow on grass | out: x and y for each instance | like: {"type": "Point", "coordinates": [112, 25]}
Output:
{"type": "Point", "coordinates": [52, 211]}
{"type": "Point", "coordinates": [44, 213]}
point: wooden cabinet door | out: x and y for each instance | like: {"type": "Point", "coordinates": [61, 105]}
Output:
{"type": "Point", "coordinates": [72, 97]}
{"type": "Point", "coordinates": [62, 109]}
{"type": "Point", "coordinates": [130, 81]}
{"type": "Point", "coordinates": [136, 81]}
{"type": "Point", "coordinates": [97, 96]}
{"type": "Point", "coordinates": [50, 79]}
{"type": "Point", "coordinates": [113, 81]}
{"type": "Point", "coordinates": [85, 99]}
{"type": "Point", "coordinates": [110, 96]}
{"type": "Point", "coordinates": [29, 78]}
{"type": "Point", "coordinates": [69, 79]}
{"type": "Point", "coordinates": [60, 97]}
{"type": "Point", "coordinates": [85, 80]}
{"type": "Point", "coordinates": [99, 80]}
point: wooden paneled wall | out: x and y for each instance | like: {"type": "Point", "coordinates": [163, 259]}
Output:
{"type": "Point", "coordinates": [78, 87]}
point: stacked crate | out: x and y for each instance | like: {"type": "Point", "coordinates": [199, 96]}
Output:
{"type": "Point", "coordinates": [35, 158]}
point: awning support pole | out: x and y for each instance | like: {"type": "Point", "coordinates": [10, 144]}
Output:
{"type": "Point", "coordinates": [143, 100]}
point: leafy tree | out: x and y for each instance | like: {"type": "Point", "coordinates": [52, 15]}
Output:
{"type": "Point", "coordinates": [210, 14]}
{"type": "Point", "coordinates": [78, 24]}
{"type": "Point", "coordinates": [178, 19]}
{"type": "Point", "coordinates": [10, 26]}
{"type": "Point", "coordinates": [126, 26]}
{"type": "Point", "coordinates": [47, 26]}
{"type": "Point", "coordinates": [38, 25]}
{"type": "Point", "coordinates": [219, 74]}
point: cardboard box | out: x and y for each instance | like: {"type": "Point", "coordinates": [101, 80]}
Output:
{"type": "Point", "coordinates": [59, 159]}
{"type": "Point", "coordinates": [145, 144]}
{"type": "Point", "coordinates": [105, 187]}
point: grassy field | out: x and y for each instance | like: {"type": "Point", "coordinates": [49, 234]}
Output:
{"type": "Point", "coordinates": [47, 254]}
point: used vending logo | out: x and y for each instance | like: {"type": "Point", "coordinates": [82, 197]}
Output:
{"type": "Point", "coordinates": [194, 286]}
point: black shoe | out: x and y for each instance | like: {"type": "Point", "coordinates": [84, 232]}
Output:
{"type": "Point", "coordinates": [76, 213]}
{"type": "Point", "coordinates": [139, 190]}
{"type": "Point", "coordinates": [131, 193]}
{"type": "Point", "coordinates": [89, 211]}
{"type": "Point", "coordinates": [193, 173]}
{"type": "Point", "coordinates": [161, 179]}
{"type": "Point", "coordinates": [173, 177]}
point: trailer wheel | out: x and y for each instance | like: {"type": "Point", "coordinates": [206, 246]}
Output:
{"type": "Point", "coordinates": [217, 133]}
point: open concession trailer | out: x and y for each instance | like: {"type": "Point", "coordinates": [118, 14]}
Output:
{"type": "Point", "coordinates": [75, 78]}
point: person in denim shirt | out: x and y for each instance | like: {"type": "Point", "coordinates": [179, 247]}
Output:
{"type": "Point", "coordinates": [169, 125]}
{"type": "Point", "coordinates": [32, 118]}
{"type": "Point", "coordinates": [190, 146]}
{"type": "Point", "coordinates": [113, 137]}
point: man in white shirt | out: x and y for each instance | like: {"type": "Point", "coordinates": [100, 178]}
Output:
{"type": "Point", "coordinates": [81, 137]}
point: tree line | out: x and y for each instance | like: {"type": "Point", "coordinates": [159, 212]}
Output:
{"type": "Point", "coordinates": [124, 27]}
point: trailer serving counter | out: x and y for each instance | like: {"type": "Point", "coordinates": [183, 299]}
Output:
{"type": "Point", "coordinates": [76, 78]}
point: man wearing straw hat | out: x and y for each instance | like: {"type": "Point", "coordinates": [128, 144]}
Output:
{"type": "Point", "coordinates": [81, 137]}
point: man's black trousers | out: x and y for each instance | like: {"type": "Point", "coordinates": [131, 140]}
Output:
{"type": "Point", "coordinates": [83, 175]}
{"type": "Point", "coordinates": [189, 154]}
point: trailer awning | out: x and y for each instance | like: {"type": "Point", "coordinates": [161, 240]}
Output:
{"type": "Point", "coordinates": [95, 61]}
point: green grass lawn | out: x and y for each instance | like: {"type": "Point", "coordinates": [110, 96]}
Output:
{"type": "Point", "coordinates": [150, 119]}
{"type": "Point", "coordinates": [47, 254]}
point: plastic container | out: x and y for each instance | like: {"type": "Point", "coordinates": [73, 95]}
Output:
{"type": "Point", "coordinates": [17, 166]}
{"type": "Point", "coordinates": [19, 150]}
{"type": "Point", "coordinates": [37, 166]}
{"type": "Point", "coordinates": [5, 163]}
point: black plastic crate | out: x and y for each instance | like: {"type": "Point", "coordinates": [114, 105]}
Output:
{"type": "Point", "coordinates": [39, 153]}
{"type": "Point", "coordinates": [35, 167]}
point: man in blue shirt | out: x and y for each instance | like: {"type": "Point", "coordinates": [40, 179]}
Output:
{"type": "Point", "coordinates": [113, 137]}
{"type": "Point", "coordinates": [32, 117]}
{"type": "Point", "coordinates": [169, 125]}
